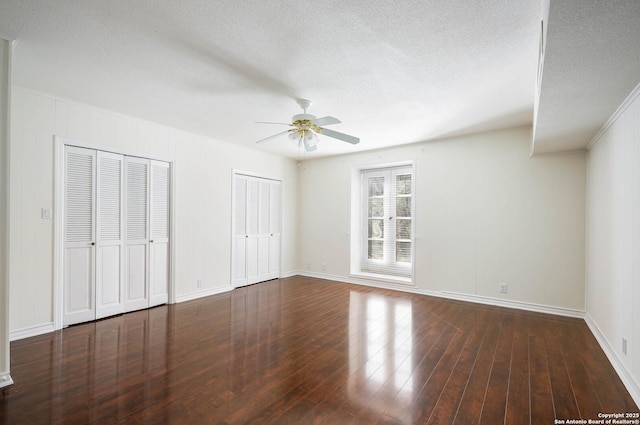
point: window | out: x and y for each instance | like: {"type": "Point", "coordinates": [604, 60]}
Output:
{"type": "Point", "coordinates": [387, 221]}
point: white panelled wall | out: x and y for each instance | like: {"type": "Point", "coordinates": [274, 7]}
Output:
{"type": "Point", "coordinates": [613, 240]}
{"type": "Point", "coordinates": [203, 184]}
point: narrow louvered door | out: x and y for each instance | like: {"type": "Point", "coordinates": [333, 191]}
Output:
{"type": "Point", "coordinates": [240, 232]}
{"type": "Point", "coordinates": [159, 243]}
{"type": "Point", "coordinates": [264, 211]}
{"type": "Point", "coordinates": [275, 224]}
{"type": "Point", "coordinates": [109, 240]}
{"type": "Point", "coordinates": [136, 233]}
{"type": "Point", "coordinates": [79, 236]}
{"type": "Point", "coordinates": [253, 221]}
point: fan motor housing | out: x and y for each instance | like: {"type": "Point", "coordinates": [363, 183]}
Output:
{"type": "Point", "coordinates": [303, 117]}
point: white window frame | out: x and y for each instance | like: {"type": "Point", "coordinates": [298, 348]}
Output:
{"type": "Point", "coordinates": [387, 269]}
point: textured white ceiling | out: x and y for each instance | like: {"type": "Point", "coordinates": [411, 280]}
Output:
{"type": "Point", "coordinates": [394, 72]}
{"type": "Point", "coordinates": [591, 64]}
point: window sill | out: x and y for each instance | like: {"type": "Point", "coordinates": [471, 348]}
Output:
{"type": "Point", "coordinates": [383, 278]}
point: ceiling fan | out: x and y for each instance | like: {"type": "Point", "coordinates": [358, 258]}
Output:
{"type": "Point", "coordinates": [305, 128]}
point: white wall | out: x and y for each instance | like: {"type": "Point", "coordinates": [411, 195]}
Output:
{"type": "Point", "coordinates": [487, 213]}
{"type": "Point", "coordinates": [203, 173]}
{"type": "Point", "coordinates": [613, 240]}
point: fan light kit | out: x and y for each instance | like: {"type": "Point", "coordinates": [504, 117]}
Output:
{"type": "Point", "coordinates": [306, 127]}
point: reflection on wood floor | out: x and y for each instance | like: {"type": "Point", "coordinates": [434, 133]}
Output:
{"type": "Point", "coordinates": [309, 351]}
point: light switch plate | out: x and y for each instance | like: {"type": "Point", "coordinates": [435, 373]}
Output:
{"type": "Point", "coordinates": [46, 213]}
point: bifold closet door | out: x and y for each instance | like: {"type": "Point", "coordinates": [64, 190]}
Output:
{"type": "Point", "coordinates": [253, 237]}
{"type": "Point", "coordinates": [136, 207]}
{"type": "Point", "coordinates": [79, 235]}
{"type": "Point", "coordinates": [159, 243]}
{"type": "Point", "coordinates": [257, 230]}
{"type": "Point", "coordinates": [275, 224]}
{"type": "Point", "coordinates": [240, 234]}
{"type": "Point", "coordinates": [93, 275]}
{"type": "Point", "coordinates": [112, 204]}
{"type": "Point", "coordinates": [109, 240]}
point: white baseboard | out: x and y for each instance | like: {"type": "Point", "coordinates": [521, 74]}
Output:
{"type": "Point", "coordinates": [204, 293]}
{"type": "Point", "coordinates": [518, 305]}
{"type": "Point", "coordinates": [625, 375]}
{"type": "Point", "coordinates": [31, 331]}
{"type": "Point", "coordinates": [5, 380]}
{"type": "Point", "coordinates": [478, 299]}
{"type": "Point", "coordinates": [49, 327]}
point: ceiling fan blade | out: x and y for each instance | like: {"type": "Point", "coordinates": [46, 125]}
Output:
{"type": "Point", "coordinates": [341, 136]}
{"type": "Point", "coordinates": [325, 121]}
{"type": "Point", "coordinates": [268, 122]}
{"type": "Point", "coordinates": [307, 146]}
{"type": "Point", "coordinates": [273, 137]}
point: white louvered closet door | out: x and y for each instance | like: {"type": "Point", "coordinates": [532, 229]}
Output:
{"type": "Point", "coordinates": [240, 232]}
{"type": "Point", "coordinates": [79, 235]}
{"type": "Point", "coordinates": [159, 243]}
{"type": "Point", "coordinates": [253, 220]}
{"type": "Point", "coordinates": [275, 224]}
{"type": "Point", "coordinates": [264, 229]}
{"type": "Point", "coordinates": [136, 183]}
{"type": "Point", "coordinates": [109, 240]}
{"type": "Point", "coordinates": [257, 213]}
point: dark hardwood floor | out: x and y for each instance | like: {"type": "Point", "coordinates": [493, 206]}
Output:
{"type": "Point", "coordinates": [308, 351]}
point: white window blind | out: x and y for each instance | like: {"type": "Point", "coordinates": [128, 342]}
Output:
{"type": "Point", "coordinates": [387, 204]}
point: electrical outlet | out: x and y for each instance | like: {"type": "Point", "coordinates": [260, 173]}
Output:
{"type": "Point", "coordinates": [309, 266]}
{"type": "Point", "coordinates": [624, 346]}
{"type": "Point", "coordinates": [503, 288]}
{"type": "Point", "coordinates": [324, 267]}
{"type": "Point", "coordinates": [199, 283]}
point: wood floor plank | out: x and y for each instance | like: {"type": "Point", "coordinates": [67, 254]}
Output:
{"type": "Point", "coordinates": [450, 399]}
{"type": "Point", "coordinates": [541, 398]}
{"type": "Point", "coordinates": [431, 392]}
{"type": "Point", "coordinates": [561, 387]}
{"type": "Point", "coordinates": [609, 388]}
{"type": "Point", "coordinates": [470, 408]}
{"type": "Point", "coordinates": [585, 392]}
{"type": "Point", "coordinates": [494, 406]}
{"type": "Point", "coordinates": [310, 351]}
{"type": "Point", "coordinates": [518, 397]}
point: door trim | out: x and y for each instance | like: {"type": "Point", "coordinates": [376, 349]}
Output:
{"type": "Point", "coordinates": [58, 215]}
